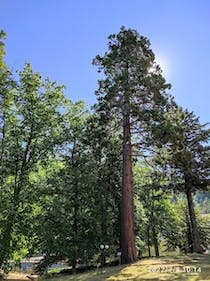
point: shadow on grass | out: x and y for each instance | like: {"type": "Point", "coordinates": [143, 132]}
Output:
{"type": "Point", "coordinates": [192, 268]}
{"type": "Point", "coordinates": [141, 271]}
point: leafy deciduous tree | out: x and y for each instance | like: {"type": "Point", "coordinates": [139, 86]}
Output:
{"type": "Point", "coordinates": [30, 132]}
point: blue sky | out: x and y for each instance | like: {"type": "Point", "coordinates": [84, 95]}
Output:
{"type": "Point", "coordinates": [61, 37]}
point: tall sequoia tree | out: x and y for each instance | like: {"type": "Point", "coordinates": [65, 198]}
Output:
{"type": "Point", "coordinates": [132, 92]}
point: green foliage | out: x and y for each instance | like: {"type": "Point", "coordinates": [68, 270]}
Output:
{"type": "Point", "coordinates": [158, 219]}
{"type": "Point", "coordinates": [3, 36]}
{"type": "Point", "coordinates": [61, 166]}
{"type": "Point", "coordinates": [132, 94]}
{"type": "Point", "coordinates": [77, 208]}
{"type": "Point", "coordinates": [202, 200]}
{"type": "Point", "coordinates": [31, 129]}
{"type": "Point", "coordinates": [185, 157]}
{"type": "Point", "coordinates": [185, 241]}
{"type": "Point", "coordinates": [134, 85]}
{"type": "Point", "coordinates": [185, 151]}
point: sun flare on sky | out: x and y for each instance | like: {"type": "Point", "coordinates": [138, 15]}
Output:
{"type": "Point", "coordinates": [163, 62]}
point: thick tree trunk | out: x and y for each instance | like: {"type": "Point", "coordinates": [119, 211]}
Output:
{"type": "Point", "coordinates": [195, 233]}
{"type": "Point", "coordinates": [127, 210]}
{"type": "Point", "coordinates": [189, 246]}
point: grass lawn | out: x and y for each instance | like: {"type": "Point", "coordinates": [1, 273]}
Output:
{"type": "Point", "coordinates": [170, 268]}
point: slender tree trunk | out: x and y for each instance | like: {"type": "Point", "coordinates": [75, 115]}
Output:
{"type": "Point", "coordinates": [2, 151]}
{"type": "Point", "coordinates": [6, 236]}
{"type": "Point", "coordinates": [127, 210]}
{"type": "Point", "coordinates": [155, 242]}
{"type": "Point", "coordinates": [148, 241]}
{"type": "Point", "coordinates": [195, 233]}
{"type": "Point", "coordinates": [103, 259]}
{"type": "Point", "coordinates": [5, 241]}
{"type": "Point", "coordinates": [74, 165]}
{"type": "Point", "coordinates": [149, 250]}
{"type": "Point", "coordinates": [74, 264]}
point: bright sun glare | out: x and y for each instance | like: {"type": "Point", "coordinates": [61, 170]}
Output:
{"type": "Point", "coordinates": [163, 63]}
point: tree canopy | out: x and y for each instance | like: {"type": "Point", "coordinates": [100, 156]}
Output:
{"type": "Point", "coordinates": [123, 173]}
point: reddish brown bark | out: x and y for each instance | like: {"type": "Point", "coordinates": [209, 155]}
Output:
{"type": "Point", "coordinates": [127, 220]}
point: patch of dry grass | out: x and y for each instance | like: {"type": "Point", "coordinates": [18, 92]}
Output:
{"type": "Point", "coordinates": [16, 277]}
